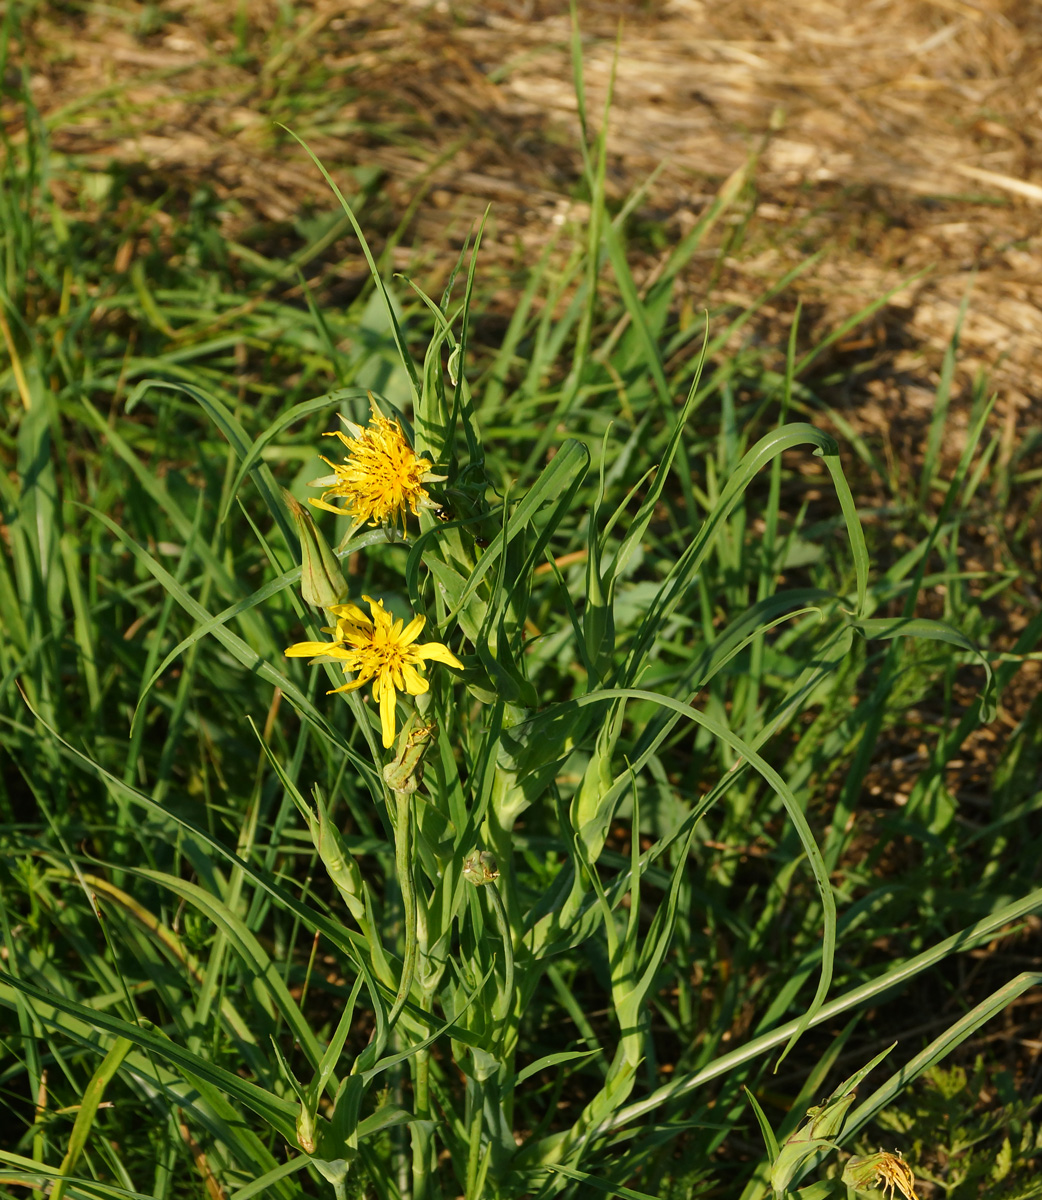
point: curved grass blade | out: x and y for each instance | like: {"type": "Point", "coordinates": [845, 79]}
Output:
{"type": "Point", "coordinates": [279, 1113]}
{"type": "Point", "coordinates": [39, 1177]}
{"type": "Point", "coordinates": [269, 1179]}
{"type": "Point", "coordinates": [260, 596]}
{"type": "Point", "coordinates": [84, 1124]}
{"type": "Point", "coordinates": [799, 821]}
{"type": "Point", "coordinates": [249, 950]}
{"type": "Point", "coordinates": [684, 570]}
{"type": "Point", "coordinates": [640, 523]}
{"type": "Point", "coordinates": [281, 422]}
{"type": "Point", "coordinates": [392, 316]}
{"type": "Point", "coordinates": [604, 1186]}
{"type": "Point", "coordinates": [568, 466]}
{"type": "Point", "coordinates": [158, 933]}
{"type": "Point", "coordinates": [236, 437]}
{"type": "Point", "coordinates": [246, 655]}
{"type": "Point", "coordinates": [937, 631]}
{"type": "Point", "coordinates": [938, 1049]}
{"type": "Point", "coordinates": [969, 938]}
{"type": "Point", "coordinates": [339, 935]}
{"type": "Point", "coordinates": [941, 1046]}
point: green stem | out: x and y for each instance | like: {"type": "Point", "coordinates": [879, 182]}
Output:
{"type": "Point", "coordinates": [501, 842]}
{"type": "Point", "coordinates": [403, 866]}
{"type": "Point", "coordinates": [474, 1149]}
{"type": "Point", "coordinates": [508, 957]}
{"type": "Point", "coordinates": [421, 1084]}
{"type": "Point", "coordinates": [421, 1138]}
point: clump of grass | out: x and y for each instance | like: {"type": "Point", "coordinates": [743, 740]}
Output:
{"type": "Point", "coordinates": [556, 935]}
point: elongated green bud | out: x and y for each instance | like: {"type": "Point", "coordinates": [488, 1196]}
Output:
{"type": "Point", "coordinates": [307, 1132]}
{"type": "Point", "coordinates": [818, 1132]}
{"type": "Point", "coordinates": [340, 865]}
{"type": "Point", "coordinates": [322, 583]}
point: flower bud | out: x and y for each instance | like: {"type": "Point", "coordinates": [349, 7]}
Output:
{"type": "Point", "coordinates": [480, 869]}
{"type": "Point", "coordinates": [322, 583]}
{"type": "Point", "coordinates": [818, 1132]}
{"type": "Point", "coordinates": [307, 1133]}
{"type": "Point", "coordinates": [340, 864]}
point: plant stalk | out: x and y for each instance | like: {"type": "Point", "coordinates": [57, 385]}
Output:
{"type": "Point", "coordinates": [403, 867]}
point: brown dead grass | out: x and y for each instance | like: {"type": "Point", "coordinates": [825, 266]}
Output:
{"type": "Point", "coordinates": [900, 136]}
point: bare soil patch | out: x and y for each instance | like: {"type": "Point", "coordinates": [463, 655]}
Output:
{"type": "Point", "coordinates": [899, 137]}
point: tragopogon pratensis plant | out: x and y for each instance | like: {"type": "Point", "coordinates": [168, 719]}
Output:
{"type": "Point", "coordinates": [520, 907]}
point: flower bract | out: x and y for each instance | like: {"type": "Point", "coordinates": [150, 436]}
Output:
{"type": "Point", "coordinates": [379, 649]}
{"type": "Point", "coordinates": [381, 479]}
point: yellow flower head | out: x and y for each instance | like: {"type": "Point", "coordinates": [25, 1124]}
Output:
{"type": "Point", "coordinates": [378, 649]}
{"type": "Point", "coordinates": [382, 477]}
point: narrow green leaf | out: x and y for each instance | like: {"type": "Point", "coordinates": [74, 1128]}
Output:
{"type": "Point", "coordinates": [280, 1114]}
{"type": "Point", "coordinates": [940, 1048]}
{"type": "Point", "coordinates": [937, 631]}
{"type": "Point", "coordinates": [249, 950]}
{"type": "Point", "coordinates": [246, 655]}
{"type": "Point", "coordinates": [237, 439]}
{"type": "Point", "coordinates": [399, 337]}
{"type": "Point", "coordinates": [285, 418]}
{"type": "Point", "coordinates": [977, 934]}
{"type": "Point", "coordinates": [769, 1140]}
{"type": "Point", "coordinates": [600, 1185]}
{"type": "Point", "coordinates": [550, 1060]}
{"type": "Point", "coordinates": [84, 1124]}
{"type": "Point", "coordinates": [257, 1187]}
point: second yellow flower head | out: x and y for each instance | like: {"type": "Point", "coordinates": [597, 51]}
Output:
{"type": "Point", "coordinates": [381, 650]}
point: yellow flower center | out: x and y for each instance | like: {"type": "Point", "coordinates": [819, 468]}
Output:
{"type": "Point", "coordinates": [382, 478]}
{"type": "Point", "coordinates": [383, 472]}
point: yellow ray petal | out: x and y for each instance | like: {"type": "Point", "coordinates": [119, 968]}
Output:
{"type": "Point", "coordinates": [415, 684]}
{"type": "Point", "coordinates": [312, 650]}
{"type": "Point", "coordinates": [353, 686]}
{"type": "Point", "coordinates": [387, 713]}
{"type": "Point", "coordinates": [412, 631]}
{"type": "Point", "coordinates": [326, 507]}
{"type": "Point", "coordinates": [351, 612]}
{"type": "Point", "coordinates": [437, 652]}
{"type": "Point", "coordinates": [381, 617]}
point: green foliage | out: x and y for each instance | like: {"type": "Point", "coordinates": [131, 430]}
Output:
{"type": "Point", "coordinates": [969, 1133]}
{"type": "Point", "coordinates": [542, 950]}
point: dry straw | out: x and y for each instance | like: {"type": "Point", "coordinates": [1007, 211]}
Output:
{"type": "Point", "coordinates": [902, 143]}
